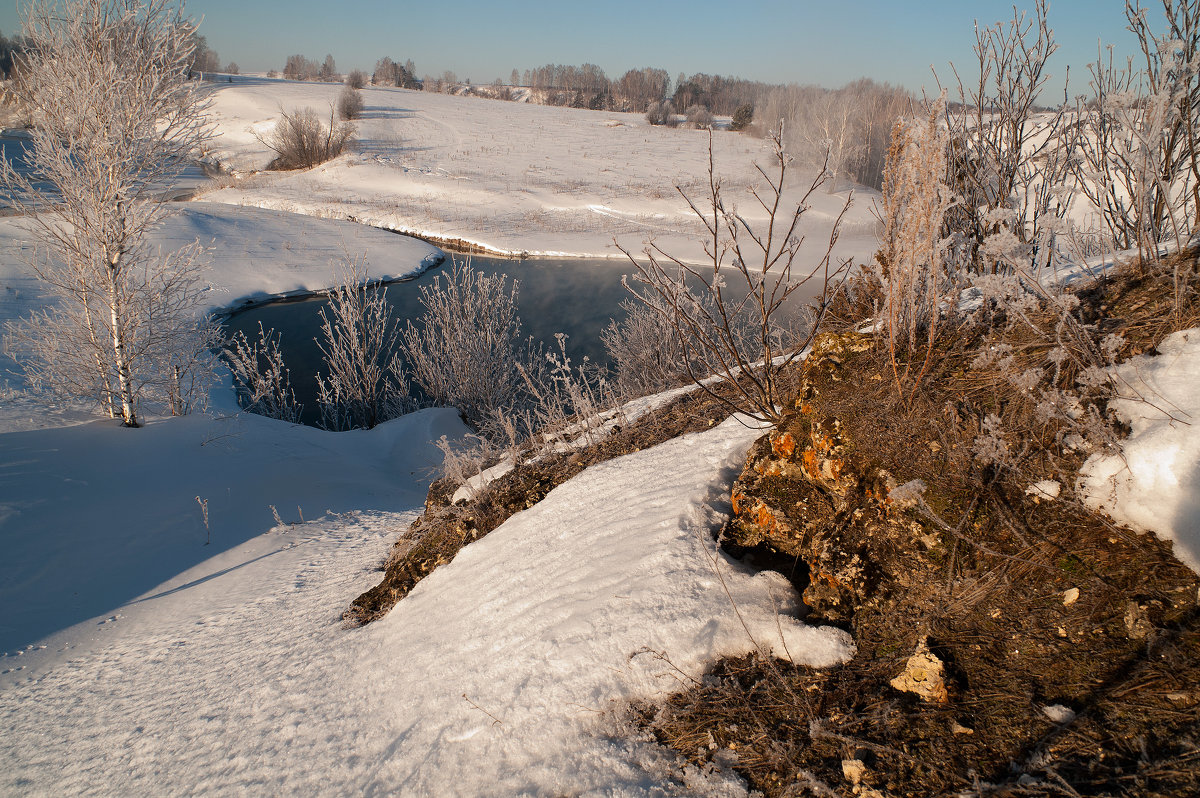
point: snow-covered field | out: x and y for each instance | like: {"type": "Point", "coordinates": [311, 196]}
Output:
{"type": "Point", "coordinates": [144, 659]}
{"type": "Point", "coordinates": [514, 177]}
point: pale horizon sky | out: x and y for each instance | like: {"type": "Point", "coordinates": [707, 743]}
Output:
{"type": "Point", "coordinates": [828, 43]}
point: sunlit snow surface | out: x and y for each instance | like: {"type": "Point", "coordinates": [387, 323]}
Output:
{"type": "Point", "coordinates": [1153, 483]}
{"type": "Point", "coordinates": [490, 678]}
{"type": "Point", "coordinates": [514, 177]}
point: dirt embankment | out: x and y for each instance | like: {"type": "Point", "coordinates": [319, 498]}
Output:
{"type": "Point", "coordinates": [1010, 641]}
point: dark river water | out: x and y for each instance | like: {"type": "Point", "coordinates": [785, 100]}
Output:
{"type": "Point", "coordinates": [13, 148]}
{"type": "Point", "coordinates": [575, 297]}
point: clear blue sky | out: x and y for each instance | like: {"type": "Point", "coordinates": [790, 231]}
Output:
{"type": "Point", "coordinates": [828, 42]}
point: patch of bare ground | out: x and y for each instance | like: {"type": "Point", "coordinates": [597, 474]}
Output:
{"type": "Point", "coordinates": [1008, 643]}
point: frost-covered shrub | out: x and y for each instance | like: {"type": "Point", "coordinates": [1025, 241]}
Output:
{"type": "Point", "coordinates": [301, 140]}
{"type": "Point", "coordinates": [644, 350]}
{"type": "Point", "coordinates": [466, 458]}
{"type": "Point", "coordinates": [700, 117]}
{"type": "Point", "coordinates": [356, 79]}
{"type": "Point", "coordinates": [261, 376]}
{"type": "Point", "coordinates": [648, 356]}
{"type": "Point", "coordinates": [568, 402]}
{"type": "Point", "coordinates": [660, 113]}
{"type": "Point", "coordinates": [350, 103]}
{"type": "Point", "coordinates": [700, 304]}
{"type": "Point", "coordinates": [364, 385]}
{"type": "Point", "coordinates": [464, 350]}
{"type": "Point", "coordinates": [1058, 380]}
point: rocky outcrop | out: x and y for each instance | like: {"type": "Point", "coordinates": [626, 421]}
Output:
{"type": "Point", "coordinates": [807, 493]}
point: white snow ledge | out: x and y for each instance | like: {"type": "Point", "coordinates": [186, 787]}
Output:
{"type": "Point", "coordinates": [569, 606]}
{"type": "Point", "coordinates": [1154, 483]}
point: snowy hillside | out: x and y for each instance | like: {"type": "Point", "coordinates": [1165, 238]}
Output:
{"type": "Point", "coordinates": [513, 177]}
{"type": "Point", "coordinates": [171, 597]}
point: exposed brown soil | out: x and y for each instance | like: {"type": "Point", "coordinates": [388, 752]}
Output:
{"type": "Point", "coordinates": [1028, 604]}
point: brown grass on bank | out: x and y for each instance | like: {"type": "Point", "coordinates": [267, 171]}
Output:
{"type": "Point", "coordinates": [987, 576]}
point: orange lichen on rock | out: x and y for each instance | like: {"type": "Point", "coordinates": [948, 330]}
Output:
{"type": "Point", "coordinates": [783, 445]}
{"type": "Point", "coordinates": [763, 516]}
{"type": "Point", "coordinates": [833, 468]}
{"type": "Point", "coordinates": [809, 460]}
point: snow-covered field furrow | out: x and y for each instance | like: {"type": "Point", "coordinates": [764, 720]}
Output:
{"type": "Point", "coordinates": [491, 678]}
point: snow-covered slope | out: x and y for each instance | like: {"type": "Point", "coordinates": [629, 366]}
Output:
{"type": "Point", "coordinates": [490, 678]}
{"type": "Point", "coordinates": [92, 516]}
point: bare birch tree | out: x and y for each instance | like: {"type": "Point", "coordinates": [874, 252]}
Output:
{"type": "Point", "coordinates": [116, 119]}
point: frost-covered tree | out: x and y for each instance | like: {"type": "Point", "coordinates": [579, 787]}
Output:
{"type": "Point", "coordinates": [299, 67]}
{"type": "Point", "coordinates": [466, 349]}
{"type": "Point", "coordinates": [328, 71]}
{"type": "Point", "coordinates": [1000, 153]}
{"type": "Point", "coordinates": [204, 59]}
{"type": "Point", "coordinates": [363, 386]}
{"type": "Point", "coordinates": [831, 134]}
{"type": "Point", "coordinates": [1138, 161]}
{"type": "Point", "coordinates": [117, 118]}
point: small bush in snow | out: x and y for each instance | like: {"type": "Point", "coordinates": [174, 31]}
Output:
{"type": "Point", "coordinates": [301, 140]}
{"type": "Point", "coordinates": [465, 348]}
{"type": "Point", "coordinates": [660, 113]}
{"type": "Point", "coordinates": [365, 384]}
{"type": "Point", "coordinates": [569, 402]}
{"type": "Point", "coordinates": [647, 354]}
{"type": "Point", "coordinates": [350, 103]}
{"type": "Point", "coordinates": [356, 79]}
{"type": "Point", "coordinates": [261, 376]}
{"type": "Point", "coordinates": [644, 350]}
{"type": "Point", "coordinates": [700, 117]}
